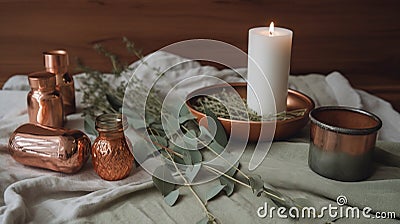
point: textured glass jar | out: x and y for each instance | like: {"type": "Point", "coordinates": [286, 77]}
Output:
{"type": "Point", "coordinates": [44, 101]}
{"type": "Point", "coordinates": [111, 155]}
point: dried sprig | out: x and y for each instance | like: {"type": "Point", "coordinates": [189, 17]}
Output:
{"type": "Point", "coordinates": [229, 105]}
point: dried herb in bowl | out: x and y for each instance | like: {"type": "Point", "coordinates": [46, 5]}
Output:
{"type": "Point", "coordinates": [235, 108]}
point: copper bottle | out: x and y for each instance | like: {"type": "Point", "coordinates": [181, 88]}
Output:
{"type": "Point", "coordinates": [44, 101]}
{"type": "Point", "coordinates": [50, 148]}
{"type": "Point", "coordinates": [56, 61]}
{"type": "Point", "coordinates": [111, 155]}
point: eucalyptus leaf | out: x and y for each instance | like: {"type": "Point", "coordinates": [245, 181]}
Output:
{"type": "Point", "coordinates": [216, 147]}
{"type": "Point", "coordinates": [190, 140]}
{"type": "Point", "coordinates": [205, 135]}
{"type": "Point", "coordinates": [191, 172]}
{"type": "Point", "coordinates": [172, 197]}
{"type": "Point", "coordinates": [114, 101]}
{"type": "Point", "coordinates": [187, 159]}
{"type": "Point", "coordinates": [160, 177]}
{"type": "Point", "coordinates": [89, 125]}
{"type": "Point", "coordinates": [184, 111]}
{"type": "Point", "coordinates": [231, 172]}
{"type": "Point", "coordinates": [220, 135]}
{"type": "Point", "coordinates": [187, 117]}
{"type": "Point", "coordinates": [229, 185]}
{"type": "Point", "coordinates": [278, 198]}
{"type": "Point", "coordinates": [257, 184]}
{"type": "Point", "coordinates": [143, 149]}
{"type": "Point", "coordinates": [171, 124]}
{"type": "Point", "coordinates": [136, 123]}
{"type": "Point", "coordinates": [196, 156]}
{"type": "Point", "coordinates": [160, 140]}
{"type": "Point", "coordinates": [150, 119]}
{"type": "Point", "coordinates": [214, 191]}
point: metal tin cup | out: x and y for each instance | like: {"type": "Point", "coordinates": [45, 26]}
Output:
{"type": "Point", "coordinates": [342, 142]}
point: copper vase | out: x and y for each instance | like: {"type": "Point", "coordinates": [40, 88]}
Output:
{"type": "Point", "coordinates": [56, 61]}
{"type": "Point", "coordinates": [45, 105]}
{"type": "Point", "coordinates": [111, 155]}
{"type": "Point", "coordinates": [55, 149]}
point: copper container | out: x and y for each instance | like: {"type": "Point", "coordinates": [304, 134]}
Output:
{"type": "Point", "coordinates": [44, 101]}
{"type": "Point", "coordinates": [56, 61]}
{"type": "Point", "coordinates": [111, 155]}
{"type": "Point", "coordinates": [250, 130]}
{"type": "Point", "coordinates": [50, 148]}
{"type": "Point", "coordinates": [342, 142]}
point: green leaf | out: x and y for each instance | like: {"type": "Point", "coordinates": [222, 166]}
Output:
{"type": "Point", "coordinates": [134, 118]}
{"type": "Point", "coordinates": [229, 185]}
{"type": "Point", "coordinates": [137, 123]}
{"type": "Point", "coordinates": [171, 123]}
{"type": "Point", "coordinates": [160, 140]}
{"type": "Point", "coordinates": [196, 156]}
{"type": "Point", "coordinates": [187, 159]}
{"type": "Point", "coordinates": [186, 117]}
{"type": "Point", "coordinates": [231, 172]}
{"type": "Point", "coordinates": [214, 191]}
{"type": "Point", "coordinates": [171, 198]}
{"type": "Point", "coordinates": [89, 125]}
{"type": "Point", "coordinates": [279, 198]}
{"type": "Point", "coordinates": [220, 135]}
{"type": "Point", "coordinates": [216, 147]}
{"type": "Point", "coordinates": [190, 140]}
{"type": "Point", "coordinates": [257, 184]}
{"type": "Point", "coordinates": [115, 102]}
{"type": "Point", "coordinates": [205, 135]}
{"type": "Point", "coordinates": [143, 149]}
{"type": "Point", "coordinates": [160, 175]}
{"type": "Point", "coordinates": [191, 172]}
{"type": "Point", "coordinates": [184, 111]}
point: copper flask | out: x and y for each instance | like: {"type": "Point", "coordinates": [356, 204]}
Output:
{"type": "Point", "coordinates": [44, 101]}
{"type": "Point", "coordinates": [50, 148]}
{"type": "Point", "coordinates": [56, 61]}
{"type": "Point", "coordinates": [111, 155]}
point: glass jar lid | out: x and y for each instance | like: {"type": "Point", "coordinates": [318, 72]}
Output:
{"type": "Point", "coordinates": [111, 122]}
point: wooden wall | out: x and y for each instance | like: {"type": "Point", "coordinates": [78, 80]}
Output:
{"type": "Point", "coordinates": [358, 38]}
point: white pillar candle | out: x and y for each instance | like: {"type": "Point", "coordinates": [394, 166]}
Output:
{"type": "Point", "coordinates": [268, 62]}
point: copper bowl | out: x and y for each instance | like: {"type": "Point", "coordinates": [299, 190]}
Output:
{"type": "Point", "coordinates": [342, 142]}
{"type": "Point", "coordinates": [283, 129]}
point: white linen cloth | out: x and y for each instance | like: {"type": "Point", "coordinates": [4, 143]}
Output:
{"type": "Point", "coordinates": [20, 185]}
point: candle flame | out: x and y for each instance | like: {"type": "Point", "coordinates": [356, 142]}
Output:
{"type": "Point", "coordinates": [271, 29]}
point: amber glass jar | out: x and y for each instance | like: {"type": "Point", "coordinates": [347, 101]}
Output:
{"type": "Point", "coordinates": [111, 155]}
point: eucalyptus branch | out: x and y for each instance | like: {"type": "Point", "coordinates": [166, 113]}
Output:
{"type": "Point", "coordinates": [217, 154]}
{"type": "Point", "coordinates": [208, 213]}
{"type": "Point", "coordinates": [240, 182]}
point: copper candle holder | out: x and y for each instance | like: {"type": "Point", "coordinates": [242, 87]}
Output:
{"type": "Point", "coordinates": [342, 142]}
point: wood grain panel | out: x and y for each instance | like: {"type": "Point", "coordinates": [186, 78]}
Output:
{"type": "Point", "coordinates": [358, 38]}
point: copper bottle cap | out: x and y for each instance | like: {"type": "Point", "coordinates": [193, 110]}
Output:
{"type": "Point", "coordinates": [56, 61]}
{"type": "Point", "coordinates": [42, 80]}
